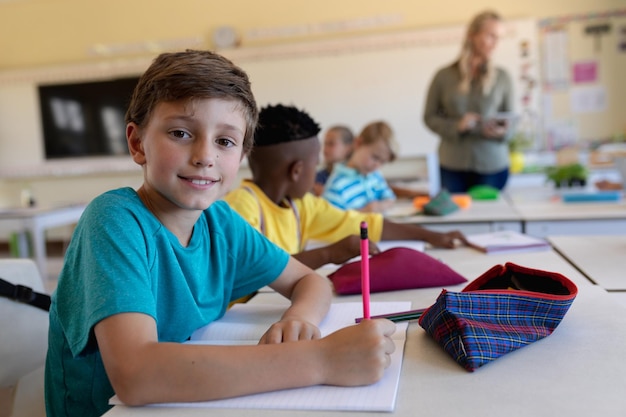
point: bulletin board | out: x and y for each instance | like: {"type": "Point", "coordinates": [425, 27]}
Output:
{"type": "Point", "coordinates": [584, 84]}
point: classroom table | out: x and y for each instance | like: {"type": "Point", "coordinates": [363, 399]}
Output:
{"type": "Point", "coordinates": [35, 221]}
{"type": "Point", "coordinates": [480, 217]}
{"type": "Point", "coordinates": [577, 371]}
{"type": "Point", "coordinates": [600, 258]}
{"type": "Point", "coordinates": [543, 213]}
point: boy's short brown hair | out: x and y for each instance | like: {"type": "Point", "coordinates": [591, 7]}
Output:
{"type": "Point", "coordinates": [380, 130]}
{"type": "Point", "coordinates": [189, 75]}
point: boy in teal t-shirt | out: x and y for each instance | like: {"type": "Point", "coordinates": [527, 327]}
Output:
{"type": "Point", "coordinates": [146, 268]}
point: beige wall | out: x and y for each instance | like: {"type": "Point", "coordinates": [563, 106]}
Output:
{"type": "Point", "coordinates": [45, 32]}
{"type": "Point", "coordinates": [36, 35]}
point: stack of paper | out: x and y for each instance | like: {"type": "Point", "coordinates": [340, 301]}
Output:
{"type": "Point", "coordinates": [506, 241]}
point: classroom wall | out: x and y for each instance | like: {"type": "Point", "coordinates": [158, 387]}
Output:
{"type": "Point", "coordinates": [44, 32]}
{"type": "Point", "coordinates": [41, 36]}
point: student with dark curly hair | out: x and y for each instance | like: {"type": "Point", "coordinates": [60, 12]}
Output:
{"type": "Point", "coordinates": [277, 201]}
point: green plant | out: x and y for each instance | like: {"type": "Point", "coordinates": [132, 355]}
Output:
{"type": "Point", "coordinates": [569, 175]}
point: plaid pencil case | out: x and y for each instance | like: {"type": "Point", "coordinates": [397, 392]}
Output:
{"type": "Point", "coordinates": [506, 308]}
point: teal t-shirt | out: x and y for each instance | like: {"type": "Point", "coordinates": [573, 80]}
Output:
{"type": "Point", "coordinates": [122, 259]}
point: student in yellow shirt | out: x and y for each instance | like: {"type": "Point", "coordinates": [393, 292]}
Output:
{"type": "Point", "coordinates": [277, 201]}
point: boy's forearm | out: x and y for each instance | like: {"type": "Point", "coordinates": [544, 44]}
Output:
{"type": "Point", "coordinates": [172, 372]}
{"type": "Point", "coordinates": [310, 298]}
{"type": "Point", "coordinates": [397, 231]}
{"type": "Point", "coordinates": [314, 258]}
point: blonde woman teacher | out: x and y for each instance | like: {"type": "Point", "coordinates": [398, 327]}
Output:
{"type": "Point", "coordinates": [466, 107]}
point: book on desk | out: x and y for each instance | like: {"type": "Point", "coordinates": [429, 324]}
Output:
{"type": "Point", "coordinates": [506, 241]}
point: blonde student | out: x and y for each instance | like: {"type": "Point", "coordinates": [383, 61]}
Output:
{"type": "Point", "coordinates": [277, 201]}
{"type": "Point", "coordinates": [358, 183]}
{"type": "Point", "coordinates": [337, 148]}
{"type": "Point", "coordinates": [147, 267]}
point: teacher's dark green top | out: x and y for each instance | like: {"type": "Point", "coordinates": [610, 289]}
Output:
{"type": "Point", "coordinates": [446, 105]}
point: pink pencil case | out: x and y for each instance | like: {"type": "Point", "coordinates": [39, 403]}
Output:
{"type": "Point", "coordinates": [395, 269]}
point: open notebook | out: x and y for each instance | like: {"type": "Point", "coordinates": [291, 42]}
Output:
{"type": "Point", "coordinates": [246, 323]}
{"type": "Point", "coordinates": [506, 241]}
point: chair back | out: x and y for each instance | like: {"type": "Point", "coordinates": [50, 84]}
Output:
{"type": "Point", "coordinates": [23, 330]}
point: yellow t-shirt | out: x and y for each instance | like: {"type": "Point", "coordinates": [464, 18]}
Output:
{"type": "Point", "coordinates": [307, 219]}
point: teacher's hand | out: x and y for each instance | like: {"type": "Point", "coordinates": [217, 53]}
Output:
{"type": "Point", "coordinates": [468, 122]}
{"type": "Point", "coordinates": [493, 130]}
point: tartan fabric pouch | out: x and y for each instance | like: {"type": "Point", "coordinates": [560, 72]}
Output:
{"type": "Point", "coordinates": [506, 308]}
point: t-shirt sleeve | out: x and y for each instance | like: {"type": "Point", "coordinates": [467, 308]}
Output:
{"type": "Point", "coordinates": [259, 261]}
{"type": "Point", "coordinates": [334, 191]}
{"type": "Point", "coordinates": [385, 192]}
{"type": "Point", "coordinates": [105, 272]}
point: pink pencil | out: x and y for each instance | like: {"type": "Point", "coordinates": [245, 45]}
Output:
{"type": "Point", "coordinates": [365, 271]}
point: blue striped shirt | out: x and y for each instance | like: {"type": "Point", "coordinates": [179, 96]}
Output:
{"type": "Point", "coordinates": [348, 189]}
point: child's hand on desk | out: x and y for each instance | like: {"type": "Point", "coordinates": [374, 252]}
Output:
{"type": "Point", "coordinates": [448, 240]}
{"type": "Point", "coordinates": [378, 206]}
{"type": "Point", "coordinates": [357, 355]}
{"type": "Point", "coordinates": [290, 329]}
{"type": "Point", "coordinates": [347, 248]}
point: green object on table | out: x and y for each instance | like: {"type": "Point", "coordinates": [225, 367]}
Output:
{"type": "Point", "coordinates": [568, 175]}
{"type": "Point", "coordinates": [440, 205]}
{"type": "Point", "coordinates": [483, 192]}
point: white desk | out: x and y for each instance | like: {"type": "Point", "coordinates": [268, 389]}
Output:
{"type": "Point", "coordinates": [544, 214]}
{"type": "Point", "coordinates": [36, 221]}
{"type": "Point", "coordinates": [480, 217]}
{"type": "Point", "coordinates": [577, 371]}
{"type": "Point", "coordinates": [600, 258]}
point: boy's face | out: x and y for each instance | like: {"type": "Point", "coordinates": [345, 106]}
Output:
{"type": "Point", "coordinates": [190, 152]}
{"type": "Point", "coordinates": [335, 149]}
{"type": "Point", "coordinates": [369, 158]}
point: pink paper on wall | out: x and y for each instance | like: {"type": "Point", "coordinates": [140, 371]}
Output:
{"type": "Point", "coordinates": [585, 71]}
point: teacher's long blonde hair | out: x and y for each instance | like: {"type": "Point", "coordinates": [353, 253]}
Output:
{"type": "Point", "coordinates": [486, 77]}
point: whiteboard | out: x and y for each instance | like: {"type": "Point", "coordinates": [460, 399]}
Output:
{"type": "Point", "coordinates": [382, 77]}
